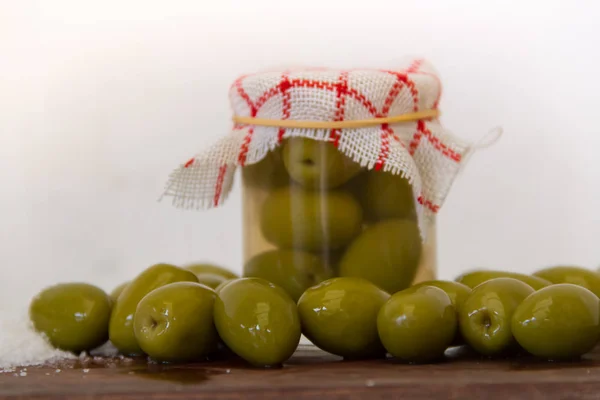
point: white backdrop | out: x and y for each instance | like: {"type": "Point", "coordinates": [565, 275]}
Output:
{"type": "Point", "coordinates": [99, 101]}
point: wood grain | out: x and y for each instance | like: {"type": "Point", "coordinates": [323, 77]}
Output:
{"type": "Point", "coordinates": [310, 374]}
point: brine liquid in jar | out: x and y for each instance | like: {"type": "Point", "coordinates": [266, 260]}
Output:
{"type": "Point", "coordinates": [311, 213]}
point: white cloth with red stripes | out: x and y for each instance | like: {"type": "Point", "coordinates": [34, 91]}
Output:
{"type": "Point", "coordinates": [422, 151]}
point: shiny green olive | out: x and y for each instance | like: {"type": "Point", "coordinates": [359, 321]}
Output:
{"type": "Point", "coordinates": [457, 292]}
{"type": "Point", "coordinates": [312, 221]}
{"type": "Point", "coordinates": [474, 278]}
{"type": "Point", "coordinates": [417, 324]}
{"type": "Point", "coordinates": [317, 164]}
{"type": "Point", "coordinates": [258, 321]}
{"type": "Point", "coordinates": [340, 317]}
{"type": "Point", "coordinates": [222, 284]}
{"type": "Point", "coordinates": [293, 270]}
{"type": "Point", "coordinates": [574, 275]}
{"type": "Point", "coordinates": [74, 316]}
{"type": "Point", "coordinates": [116, 292]}
{"type": "Point", "coordinates": [558, 321]}
{"type": "Point", "coordinates": [485, 316]}
{"type": "Point", "coordinates": [174, 323]}
{"type": "Point", "coordinates": [206, 268]}
{"type": "Point", "coordinates": [211, 275]}
{"type": "Point", "coordinates": [121, 320]}
{"type": "Point", "coordinates": [387, 254]}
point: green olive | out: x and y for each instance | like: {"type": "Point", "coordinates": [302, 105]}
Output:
{"type": "Point", "coordinates": [211, 275]}
{"type": "Point", "coordinates": [174, 323]}
{"type": "Point", "coordinates": [386, 196]}
{"type": "Point", "coordinates": [116, 292]}
{"type": "Point", "coordinates": [574, 275]}
{"type": "Point", "coordinates": [457, 292]}
{"type": "Point", "coordinates": [474, 278]}
{"type": "Point", "coordinates": [485, 316]}
{"type": "Point", "coordinates": [121, 320]}
{"type": "Point", "coordinates": [206, 268]}
{"type": "Point", "coordinates": [222, 284]}
{"type": "Point", "coordinates": [417, 324]}
{"type": "Point", "coordinates": [74, 316]}
{"type": "Point", "coordinates": [311, 221]}
{"type": "Point", "coordinates": [558, 321]}
{"type": "Point", "coordinates": [317, 164]}
{"type": "Point", "coordinates": [340, 317]}
{"type": "Point", "coordinates": [294, 271]}
{"type": "Point", "coordinates": [387, 254]}
{"type": "Point", "coordinates": [258, 321]}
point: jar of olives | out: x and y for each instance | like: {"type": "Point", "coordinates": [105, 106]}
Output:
{"type": "Point", "coordinates": [343, 174]}
{"type": "Point", "coordinates": [311, 213]}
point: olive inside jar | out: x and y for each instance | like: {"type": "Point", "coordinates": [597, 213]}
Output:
{"type": "Point", "coordinates": [343, 174]}
{"type": "Point", "coordinates": [311, 213]}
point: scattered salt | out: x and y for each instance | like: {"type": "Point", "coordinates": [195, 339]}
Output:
{"type": "Point", "coordinates": [20, 345]}
{"type": "Point", "coordinates": [370, 383]}
{"type": "Point", "coordinates": [227, 371]}
{"type": "Point", "coordinates": [57, 370]}
{"type": "Point", "coordinates": [22, 373]}
{"type": "Point", "coordinates": [86, 370]}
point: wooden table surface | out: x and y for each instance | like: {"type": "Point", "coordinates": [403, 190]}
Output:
{"type": "Point", "coordinates": [310, 374]}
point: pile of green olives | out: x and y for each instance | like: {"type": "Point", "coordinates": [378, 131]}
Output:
{"type": "Point", "coordinates": [174, 314]}
{"type": "Point", "coordinates": [321, 215]}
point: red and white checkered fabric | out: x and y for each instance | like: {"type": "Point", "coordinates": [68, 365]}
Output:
{"type": "Point", "coordinates": [422, 151]}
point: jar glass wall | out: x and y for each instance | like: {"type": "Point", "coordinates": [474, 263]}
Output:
{"type": "Point", "coordinates": [310, 213]}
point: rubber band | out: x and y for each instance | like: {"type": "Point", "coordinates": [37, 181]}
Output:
{"type": "Point", "coordinates": [289, 123]}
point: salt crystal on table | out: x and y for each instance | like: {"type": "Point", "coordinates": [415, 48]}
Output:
{"type": "Point", "coordinates": [86, 370]}
{"type": "Point", "coordinates": [21, 345]}
{"type": "Point", "coordinates": [22, 373]}
{"type": "Point", "coordinates": [57, 370]}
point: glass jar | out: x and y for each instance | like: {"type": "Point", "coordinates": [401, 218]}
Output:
{"type": "Point", "coordinates": [311, 213]}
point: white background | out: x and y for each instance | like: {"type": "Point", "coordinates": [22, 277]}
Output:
{"type": "Point", "coordinates": [100, 100]}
